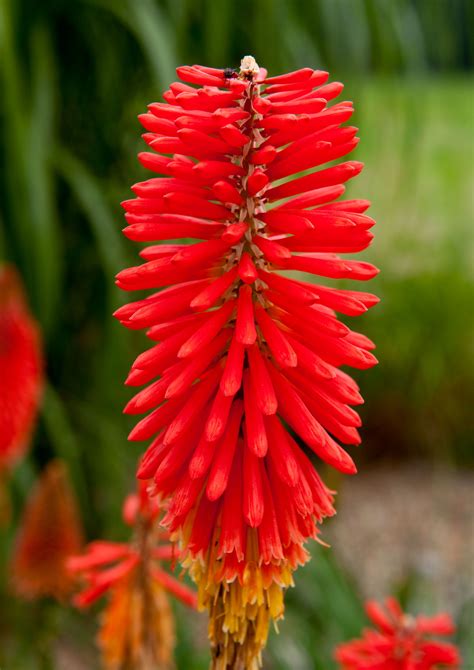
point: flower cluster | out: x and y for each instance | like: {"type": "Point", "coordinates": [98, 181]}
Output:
{"type": "Point", "coordinates": [137, 628]}
{"type": "Point", "coordinates": [21, 365]}
{"type": "Point", "coordinates": [402, 642]}
{"type": "Point", "coordinates": [50, 531]}
{"type": "Point", "coordinates": [245, 373]}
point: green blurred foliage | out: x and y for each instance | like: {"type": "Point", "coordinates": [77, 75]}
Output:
{"type": "Point", "coordinates": [74, 75]}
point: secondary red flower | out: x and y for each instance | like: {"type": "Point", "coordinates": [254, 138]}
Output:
{"type": "Point", "coordinates": [246, 366]}
{"type": "Point", "coordinates": [50, 530]}
{"type": "Point", "coordinates": [137, 625]}
{"type": "Point", "coordinates": [401, 642]}
{"type": "Point", "coordinates": [21, 366]}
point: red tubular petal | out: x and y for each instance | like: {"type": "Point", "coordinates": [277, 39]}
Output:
{"type": "Point", "coordinates": [155, 251]}
{"type": "Point", "coordinates": [263, 156]}
{"type": "Point", "coordinates": [233, 136]}
{"type": "Point", "coordinates": [286, 511]}
{"type": "Point", "coordinates": [166, 145]}
{"type": "Point", "coordinates": [195, 139]}
{"type": "Point", "coordinates": [281, 349]}
{"type": "Point", "coordinates": [192, 408]}
{"type": "Point", "coordinates": [328, 177]}
{"type": "Point", "coordinates": [227, 193]}
{"type": "Point", "coordinates": [161, 331]}
{"type": "Point", "coordinates": [232, 375]}
{"type": "Point", "coordinates": [317, 196]}
{"type": "Point", "coordinates": [156, 125]}
{"type": "Point", "coordinates": [360, 340]}
{"type": "Point", "coordinates": [440, 624]}
{"type": "Point", "coordinates": [253, 498]}
{"type": "Point", "coordinates": [154, 162]}
{"type": "Point", "coordinates": [203, 525]}
{"type": "Point", "coordinates": [179, 590]}
{"type": "Point", "coordinates": [230, 115]}
{"type": "Point", "coordinates": [150, 194]}
{"type": "Point", "coordinates": [152, 395]}
{"type": "Point", "coordinates": [255, 428]}
{"type": "Point", "coordinates": [297, 75]}
{"type": "Point", "coordinates": [157, 420]}
{"type": "Point", "coordinates": [327, 266]}
{"type": "Point", "coordinates": [195, 76]}
{"type": "Point", "coordinates": [351, 303]}
{"type": "Point", "coordinates": [377, 615]}
{"type": "Point", "coordinates": [312, 156]}
{"type": "Point", "coordinates": [222, 465]}
{"type": "Point", "coordinates": [217, 419]}
{"type": "Point", "coordinates": [202, 458]}
{"type": "Point", "coordinates": [295, 291]}
{"type": "Point", "coordinates": [358, 206]}
{"type": "Point", "coordinates": [161, 109]}
{"type": "Point", "coordinates": [311, 362]}
{"type": "Point", "coordinates": [320, 402]}
{"type": "Point", "coordinates": [276, 253]}
{"type": "Point", "coordinates": [212, 170]}
{"type": "Point", "coordinates": [261, 381]}
{"type": "Point", "coordinates": [280, 452]}
{"type": "Point", "coordinates": [307, 126]}
{"type": "Point", "coordinates": [286, 222]}
{"type": "Point", "coordinates": [269, 540]}
{"type": "Point", "coordinates": [295, 412]}
{"type": "Point", "coordinates": [299, 106]}
{"type": "Point", "coordinates": [200, 254]}
{"type": "Point", "coordinates": [190, 204]}
{"type": "Point", "coordinates": [156, 274]}
{"type": "Point", "coordinates": [234, 233]}
{"type": "Point", "coordinates": [205, 123]}
{"type": "Point", "coordinates": [166, 306]}
{"type": "Point", "coordinates": [197, 365]}
{"type": "Point", "coordinates": [145, 232]}
{"type": "Point", "coordinates": [99, 553]}
{"type": "Point", "coordinates": [156, 359]}
{"type": "Point", "coordinates": [330, 91]}
{"type": "Point", "coordinates": [246, 269]}
{"type": "Point", "coordinates": [183, 499]}
{"type": "Point", "coordinates": [176, 456]}
{"type": "Point", "coordinates": [245, 332]}
{"type": "Point", "coordinates": [339, 352]}
{"type": "Point", "coordinates": [439, 654]}
{"type": "Point", "coordinates": [211, 294]}
{"type": "Point", "coordinates": [232, 537]}
{"type": "Point", "coordinates": [152, 458]}
{"type": "Point", "coordinates": [305, 318]}
{"type": "Point", "coordinates": [256, 182]}
{"type": "Point", "coordinates": [208, 330]}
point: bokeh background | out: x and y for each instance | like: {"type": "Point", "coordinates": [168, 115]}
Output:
{"type": "Point", "coordinates": [73, 76]}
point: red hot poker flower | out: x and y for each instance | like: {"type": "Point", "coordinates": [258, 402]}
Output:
{"type": "Point", "coordinates": [50, 531]}
{"type": "Point", "coordinates": [137, 625]}
{"type": "Point", "coordinates": [246, 362]}
{"type": "Point", "coordinates": [401, 642]}
{"type": "Point", "coordinates": [21, 366]}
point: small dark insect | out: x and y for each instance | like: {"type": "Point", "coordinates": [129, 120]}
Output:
{"type": "Point", "coordinates": [230, 73]}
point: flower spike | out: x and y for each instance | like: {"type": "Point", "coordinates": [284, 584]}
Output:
{"type": "Point", "coordinates": [50, 531]}
{"type": "Point", "coordinates": [400, 642]}
{"type": "Point", "coordinates": [137, 627]}
{"type": "Point", "coordinates": [245, 377]}
{"type": "Point", "coordinates": [21, 365]}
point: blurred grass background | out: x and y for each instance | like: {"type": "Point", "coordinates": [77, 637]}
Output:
{"type": "Point", "coordinates": [74, 75]}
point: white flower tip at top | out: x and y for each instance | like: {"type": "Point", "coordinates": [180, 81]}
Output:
{"type": "Point", "coordinates": [249, 66]}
